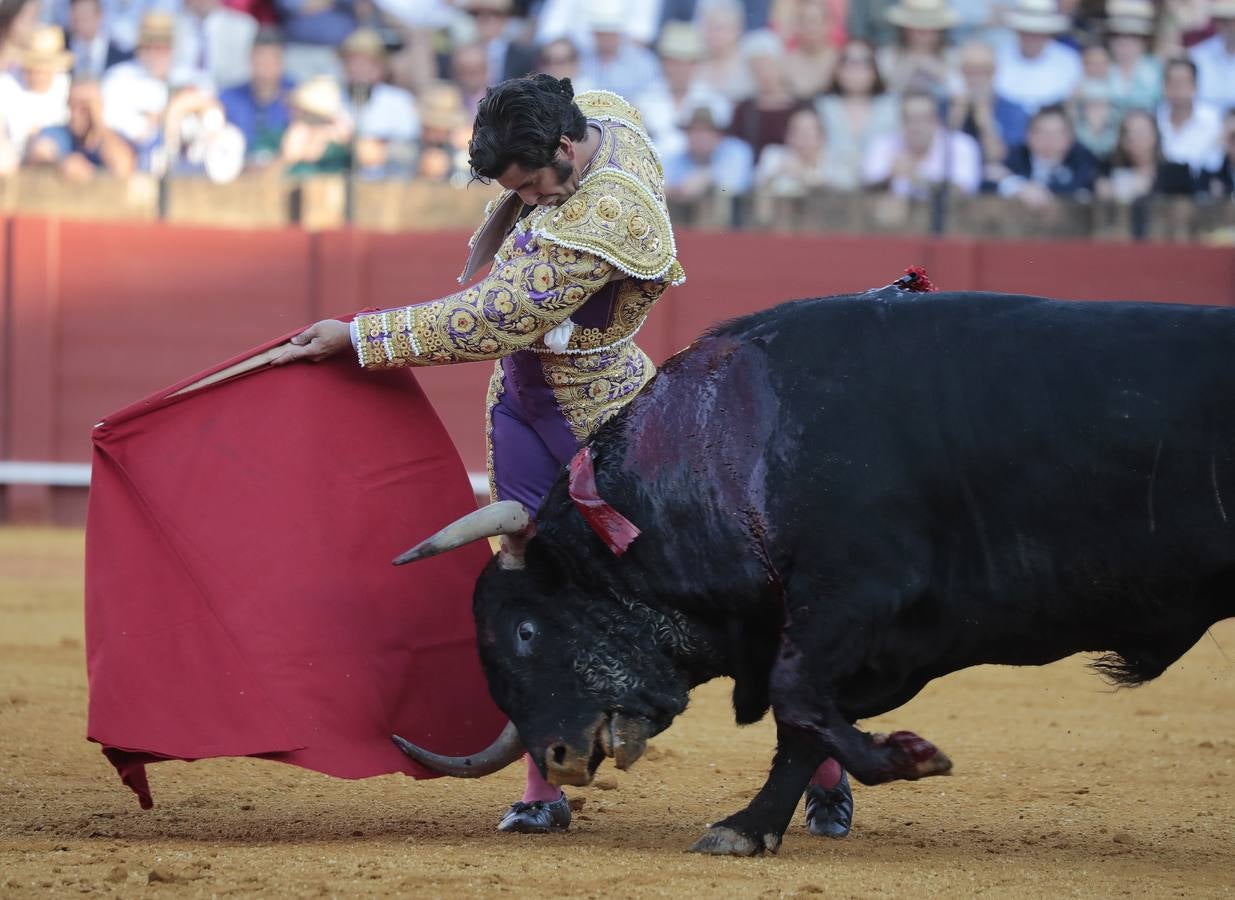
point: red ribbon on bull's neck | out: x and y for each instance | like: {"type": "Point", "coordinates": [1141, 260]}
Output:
{"type": "Point", "coordinates": [614, 529]}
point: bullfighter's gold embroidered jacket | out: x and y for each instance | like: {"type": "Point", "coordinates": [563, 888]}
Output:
{"type": "Point", "coordinates": [572, 284]}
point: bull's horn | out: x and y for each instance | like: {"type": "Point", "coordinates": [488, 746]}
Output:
{"type": "Point", "coordinates": [498, 755]}
{"type": "Point", "coordinates": [503, 517]}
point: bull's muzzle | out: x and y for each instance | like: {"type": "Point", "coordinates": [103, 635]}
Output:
{"type": "Point", "coordinates": [621, 738]}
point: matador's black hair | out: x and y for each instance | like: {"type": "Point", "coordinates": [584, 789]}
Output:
{"type": "Point", "coordinates": [522, 121]}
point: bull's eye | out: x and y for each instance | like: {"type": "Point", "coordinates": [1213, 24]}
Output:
{"type": "Point", "coordinates": [526, 633]}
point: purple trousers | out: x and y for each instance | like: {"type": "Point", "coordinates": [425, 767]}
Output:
{"type": "Point", "coordinates": [531, 439]}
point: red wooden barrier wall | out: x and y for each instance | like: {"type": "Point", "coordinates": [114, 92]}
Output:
{"type": "Point", "coordinates": [95, 316]}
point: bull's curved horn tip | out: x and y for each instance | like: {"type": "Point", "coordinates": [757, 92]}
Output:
{"type": "Point", "coordinates": [405, 558]}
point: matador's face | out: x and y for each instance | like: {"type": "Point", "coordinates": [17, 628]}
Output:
{"type": "Point", "coordinates": [550, 185]}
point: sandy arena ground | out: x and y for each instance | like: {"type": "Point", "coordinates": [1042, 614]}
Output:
{"type": "Point", "coordinates": [1062, 788]}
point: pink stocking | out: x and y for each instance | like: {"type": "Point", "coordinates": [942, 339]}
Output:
{"type": "Point", "coordinates": [537, 788]}
{"type": "Point", "coordinates": [827, 776]}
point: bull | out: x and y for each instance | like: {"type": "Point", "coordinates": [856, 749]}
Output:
{"type": "Point", "coordinates": [842, 499]}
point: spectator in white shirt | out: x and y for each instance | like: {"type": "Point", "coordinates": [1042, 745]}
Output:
{"type": "Point", "coordinates": [93, 50]}
{"type": "Point", "coordinates": [386, 117]}
{"type": "Point", "coordinates": [135, 93]}
{"type": "Point", "coordinates": [1191, 130]}
{"type": "Point", "coordinates": [18, 18]}
{"type": "Point", "coordinates": [615, 62]}
{"type": "Point", "coordinates": [1215, 58]}
{"type": "Point", "coordinates": [212, 45]}
{"type": "Point", "coordinates": [40, 99]}
{"type": "Point", "coordinates": [1034, 69]}
{"type": "Point", "coordinates": [923, 155]}
{"type": "Point", "coordinates": [665, 104]}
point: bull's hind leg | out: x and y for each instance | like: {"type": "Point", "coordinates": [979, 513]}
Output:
{"type": "Point", "coordinates": [803, 696]}
{"type": "Point", "coordinates": [874, 759]}
{"type": "Point", "coordinates": [759, 827]}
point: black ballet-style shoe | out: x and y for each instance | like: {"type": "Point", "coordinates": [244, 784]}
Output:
{"type": "Point", "coordinates": [829, 811]}
{"type": "Point", "coordinates": [537, 817]}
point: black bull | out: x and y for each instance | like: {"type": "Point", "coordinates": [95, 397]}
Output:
{"type": "Point", "coordinates": [842, 499]}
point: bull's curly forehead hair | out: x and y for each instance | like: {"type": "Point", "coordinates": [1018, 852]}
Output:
{"type": "Point", "coordinates": [521, 121]}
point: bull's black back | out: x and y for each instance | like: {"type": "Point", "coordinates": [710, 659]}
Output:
{"type": "Point", "coordinates": [1034, 467]}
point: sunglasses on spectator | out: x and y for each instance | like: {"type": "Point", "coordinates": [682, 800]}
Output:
{"type": "Point", "coordinates": [864, 59]}
{"type": "Point", "coordinates": [486, 14]}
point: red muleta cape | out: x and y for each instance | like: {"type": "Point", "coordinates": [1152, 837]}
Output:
{"type": "Point", "coordinates": [240, 597]}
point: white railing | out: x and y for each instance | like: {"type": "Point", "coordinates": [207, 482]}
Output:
{"type": "Point", "coordinates": [78, 475]}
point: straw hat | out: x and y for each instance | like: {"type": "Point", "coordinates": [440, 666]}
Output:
{"type": "Point", "coordinates": [1222, 9]}
{"type": "Point", "coordinates": [1037, 17]}
{"type": "Point", "coordinates": [157, 28]}
{"type": "Point", "coordinates": [46, 50]}
{"type": "Point", "coordinates": [931, 15]}
{"type": "Point", "coordinates": [364, 42]}
{"type": "Point", "coordinates": [1130, 17]}
{"type": "Point", "coordinates": [441, 107]}
{"type": "Point", "coordinates": [318, 96]}
{"type": "Point", "coordinates": [608, 15]}
{"type": "Point", "coordinates": [681, 40]}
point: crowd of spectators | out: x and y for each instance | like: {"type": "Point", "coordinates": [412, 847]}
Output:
{"type": "Point", "coordinates": [1032, 100]}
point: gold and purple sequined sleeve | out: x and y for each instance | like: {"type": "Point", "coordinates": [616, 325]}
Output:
{"type": "Point", "coordinates": [514, 306]}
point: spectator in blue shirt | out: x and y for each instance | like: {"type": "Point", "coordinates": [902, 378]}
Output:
{"type": "Point", "coordinates": [259, 108]}
{"type": "Point", "coordinates": [710, 163]}
{"type": "Point", "coordinates": [313, 30]}
{"type": "Point", "coordinates": [84, 145]}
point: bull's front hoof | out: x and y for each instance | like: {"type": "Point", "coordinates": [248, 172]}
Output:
{"type": "Point", "coordinates": [722, 841]}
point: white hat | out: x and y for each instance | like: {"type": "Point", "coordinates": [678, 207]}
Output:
{"type": "Point", "coordinates": [608, 15]}
{"type": "Point", "coordinates": [1130, 17]}
{"type": "Point", "coordinates": [932, 15]}
{"type": "Point", "coordinates": [681, 40]}
{"type": "Point", "coordinates": [1037, 17]}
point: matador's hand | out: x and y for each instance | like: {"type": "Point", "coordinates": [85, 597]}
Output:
{"type": "Point", "coordinates": [317, 342]}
